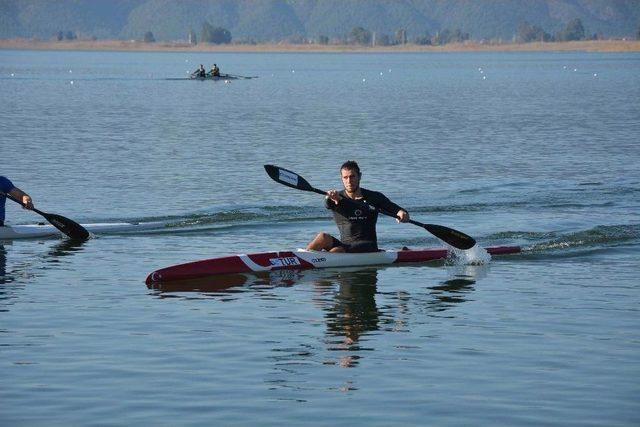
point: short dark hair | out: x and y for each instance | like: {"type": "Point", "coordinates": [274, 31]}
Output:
{"type": "Point", "coordinates": [351, 165]}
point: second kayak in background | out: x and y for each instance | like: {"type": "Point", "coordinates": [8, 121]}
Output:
{"type": "Point", "coordinates": [32, 231]}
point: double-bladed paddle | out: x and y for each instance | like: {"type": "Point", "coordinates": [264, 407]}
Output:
{"type": "Point", "coordinates": [65, 225]}
{"type": "Point", "coordinates": [455, 238]}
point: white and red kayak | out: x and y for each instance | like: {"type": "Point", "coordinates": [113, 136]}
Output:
{"type": "Point", "coordinates": [301, 260]}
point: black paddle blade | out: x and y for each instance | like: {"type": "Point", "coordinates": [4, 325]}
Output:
{"type": "Point", "coordinates": [67, 226]}
{"type": "Point", "coordinates": [288, 178]}
{"type": "Point", "coordinates": [455, 238]}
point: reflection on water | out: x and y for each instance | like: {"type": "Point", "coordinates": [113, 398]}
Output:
{"type": "Point", "coordinates": [455, 289]}
{"type": "Point", "coordinates": [5, 291]}
{"type": "Point", "coordinates": [65, 247]}
{"type": "Point", "coordinates": [352, 313]}
{"type": "Point", "coordinates": [27, 266]}
{"type": "Point", "coordinates": [348, 298]}
{"type": "Point", "coordinates": [3, 265]}
{"type": "Point", "coordinates": [227, 283]}
{"type": "Point", "coordinates": [450, 292]}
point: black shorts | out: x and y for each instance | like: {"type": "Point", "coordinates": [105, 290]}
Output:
{"type": "Point", "coordinates": [359, 246]}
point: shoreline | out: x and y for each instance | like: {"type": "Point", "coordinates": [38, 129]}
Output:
{"type": "Point", "coordinates": [469, 46]}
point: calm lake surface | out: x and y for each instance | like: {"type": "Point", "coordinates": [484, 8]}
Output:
{"type": "Point", "coordinates": [540, 150]}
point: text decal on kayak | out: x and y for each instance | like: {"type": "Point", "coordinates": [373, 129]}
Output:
{"type": "Point", "coordinates": [288, 177]}
{"type": "Point", "coordinates": [284, 261]}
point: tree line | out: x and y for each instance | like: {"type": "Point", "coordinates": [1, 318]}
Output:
{"type": "Point", "coordinates": [572, 32]}
{"type": "Point", "coordinates": [208, 34]}
{"type": "Point", "coordinates": [526, 33]}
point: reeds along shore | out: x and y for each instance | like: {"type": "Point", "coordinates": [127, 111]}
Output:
{"type": "Point", "coordinates": [469, 46]}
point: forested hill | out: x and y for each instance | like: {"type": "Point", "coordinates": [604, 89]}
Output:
{"type": "Point", "coordinates": [275, 20]}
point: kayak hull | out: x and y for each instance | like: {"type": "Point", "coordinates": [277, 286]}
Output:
{"type": "Point", "coordinates": [34, 231]}
{"type": "Point", "coordinates": [214, 78]}
{"type": "Point", "coordinates": [301, 260]}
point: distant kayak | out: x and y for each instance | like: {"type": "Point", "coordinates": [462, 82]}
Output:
{"type": "Point", "coordinates": [215, 78]}
{"type": "Point", "coordinates": [222, 77]}
{"type": "Point", "coordinates": [301, 260]}
{"type": "Point", "coordinates": [32, 231]}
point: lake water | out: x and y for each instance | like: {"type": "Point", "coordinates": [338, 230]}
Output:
{"type": "Point", "coordinates": [533, 149]}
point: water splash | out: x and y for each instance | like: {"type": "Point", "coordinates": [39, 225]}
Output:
{"type": "Point", "coordinates": [477, 255]}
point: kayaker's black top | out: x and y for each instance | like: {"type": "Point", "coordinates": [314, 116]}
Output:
{"type": "Point", "coordinates": [357, 225]}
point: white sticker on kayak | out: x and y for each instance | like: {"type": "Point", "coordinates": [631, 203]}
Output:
{"type": "Point", "coordinates": [284, 261]}
{"type": "Point", "coordinates": [288, 177]}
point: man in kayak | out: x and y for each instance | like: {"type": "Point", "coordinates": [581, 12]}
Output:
{"type": "Point", "coordinates": [7, 187]}
{"type": "Point", "coordinates": [356, 221]}
{"type": "Point", "coordinates": [215, 71]}
{"type": "Point", "coordinates": [200, 72]}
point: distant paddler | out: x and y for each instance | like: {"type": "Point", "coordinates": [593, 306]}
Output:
{"type": "Point", "coordinates": [7, 187]}
{"type": "Point", "coordinates": [215, 71]}
{"type": "Point", "coordinates": [200, 72]}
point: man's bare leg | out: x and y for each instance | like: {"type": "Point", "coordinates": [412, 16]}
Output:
{"type": "Point", "coordinates": [323, 242]}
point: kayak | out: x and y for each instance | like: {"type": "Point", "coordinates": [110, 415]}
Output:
{"type": "Point", "coordinates": [223, 77]}
{"type": "Point", "coordinates": [301, 260]}
{"type": "Point", "coordinates": [32, 231]}
{"type": "Point", "coordinates": [215, 78]}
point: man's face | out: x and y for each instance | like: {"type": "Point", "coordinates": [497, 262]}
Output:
{"type": "Point", "coordinates": [350, 180]}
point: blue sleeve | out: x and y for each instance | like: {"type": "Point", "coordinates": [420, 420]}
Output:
{"type": "Point", "coordinates": [6, 185]}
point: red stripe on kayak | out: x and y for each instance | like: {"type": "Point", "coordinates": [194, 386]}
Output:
{"type": "Point", "coordinates": [229, 265]}
{"type": "Point", "coordinates": [206, 267]}
{"type": "Point", "coordinates": [421, 255]}
{"type": "Point", "coordinates": [503, 250]}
